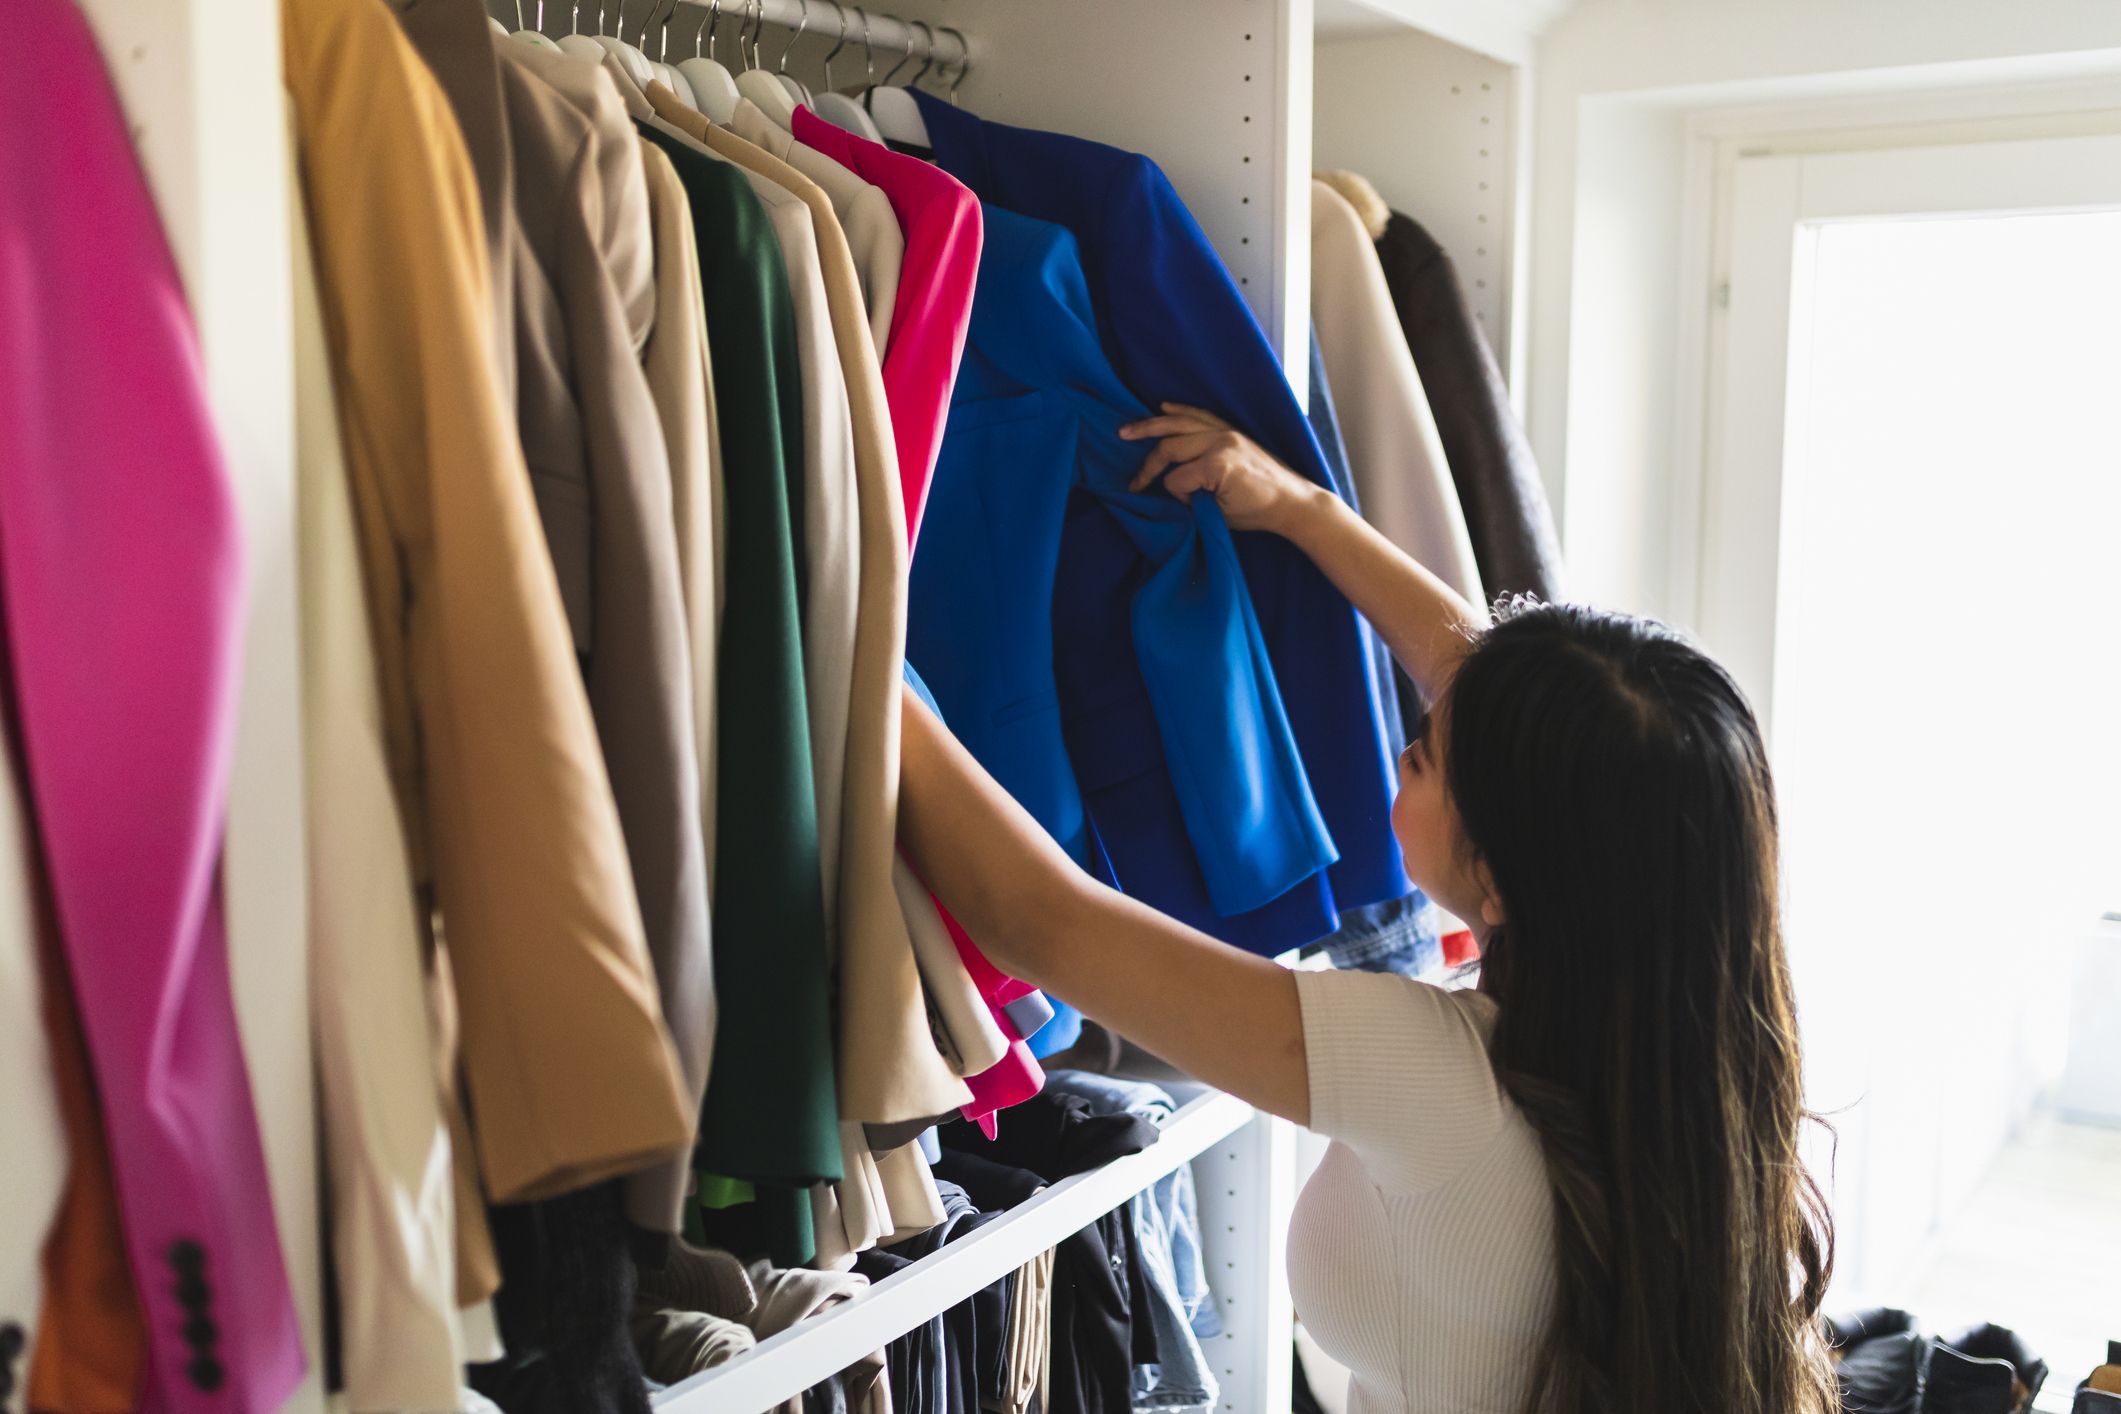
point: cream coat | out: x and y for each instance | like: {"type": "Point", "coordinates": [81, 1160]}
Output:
{"type": "Point", "coordinates": [1385, 422]}
{"type": "Point", "coordinates": [386, 1144]}
{"type": "Point", "coordinates": [680, 376]}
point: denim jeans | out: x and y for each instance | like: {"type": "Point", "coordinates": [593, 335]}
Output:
{"type": "Point", "coordinates": [1166, 1221]}
{"type": "Point", "coordinates": [1399, 935]}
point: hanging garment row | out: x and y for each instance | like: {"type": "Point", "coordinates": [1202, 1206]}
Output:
{"type": "Point", "coordinates": [619, 426]}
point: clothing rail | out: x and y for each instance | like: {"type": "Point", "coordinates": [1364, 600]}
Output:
{"type": "Point", "coordinates": [886, 34]}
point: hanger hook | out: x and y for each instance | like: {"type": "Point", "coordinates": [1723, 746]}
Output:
{"type": "Point", "coordinates": [519, 14]}
{"type": "Point", "coordinates": [905, 58]}
{"type": "Point", "coordinates": [927, 59]}
{"type": "Point", "coordinates": [964, 61]}
{"type": "Point", "coordinates": [758, 35]}
{"type": "Point", "coordinates": [705, 20]}
{"type": "Point", "coordinates": [838, 45]}
{"type": "Point", "coordinates": [663, 44]}
{"type": "Point", "coordinates": [802, 22]}
{"type": "Point", "coordinates": [868, 54]}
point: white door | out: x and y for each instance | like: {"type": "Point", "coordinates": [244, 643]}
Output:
{"type": "Point", "coordinates": [1912, 562]}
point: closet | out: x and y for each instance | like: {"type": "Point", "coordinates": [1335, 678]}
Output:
{"type": "Point", "coordinates": [1237, 100]}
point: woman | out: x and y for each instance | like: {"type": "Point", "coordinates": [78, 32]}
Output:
{"type": "Point", "coordinates": [1577, 1188]}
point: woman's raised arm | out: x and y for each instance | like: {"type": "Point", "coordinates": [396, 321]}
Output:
{"type": "Point", "coordinates": [1222, 1015]}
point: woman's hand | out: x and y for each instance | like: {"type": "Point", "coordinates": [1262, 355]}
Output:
{"type": "Point", "coordinates": [1198, 451]}
{"type": "Point", "coordinates": [1422, 620]}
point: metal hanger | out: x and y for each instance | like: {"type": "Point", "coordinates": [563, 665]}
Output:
{"type": "Point", "coordinates": [927, 60]}
{"type": "Point", "coordinates": [905, 58]}
{"type": "Point", "coordinates": [664, 69]}
{"type": "Point", "coordinates": [837, 108]}
{"type": "Point", "coordinates": [579, 44]}
{"type": "Point", "coordinates": [714, 90]}
{"type": "Point", "coordinates": [533, 35]}
{"type": "Point", "coordinates": [897, 115]}
{"type": "Point", "coordinates": [632, 60]}
{"type": "Point", "coordinates": [761, 85]}
{"type": "Point", "coordinates": [797, 93]}
{"type": "Point", "coordinates": [839, 43]}
{"type": "Point", "coordinates": [964, 62]}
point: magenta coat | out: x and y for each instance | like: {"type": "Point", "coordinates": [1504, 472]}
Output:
{"type": "Point", "coordinates": [121, 591]}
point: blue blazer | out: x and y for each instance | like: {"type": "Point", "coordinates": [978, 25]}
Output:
{"type": "Point", "coordinates": [1175, 328]}
{"type": "Point", "coordinates": [1031, 448]}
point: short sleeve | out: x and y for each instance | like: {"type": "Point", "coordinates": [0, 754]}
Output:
{"type": "Point", "coordinates": [1400, 1074]}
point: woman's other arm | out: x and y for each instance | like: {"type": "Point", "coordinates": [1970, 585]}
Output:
{"type": "Point", "coordinates": [1421, 619]}
{"type": "Point", "coordinates": [1222, 1015]}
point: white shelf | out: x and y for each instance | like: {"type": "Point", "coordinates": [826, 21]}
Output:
{"type": "Point", "coordinates": [791, 1362]}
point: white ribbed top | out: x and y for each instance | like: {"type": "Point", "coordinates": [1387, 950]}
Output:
{"type": "Point", "coordinates": [1421, 1253]}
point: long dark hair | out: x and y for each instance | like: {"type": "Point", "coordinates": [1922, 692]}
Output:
{"type": "Point", "coordinates": [1614, 782]}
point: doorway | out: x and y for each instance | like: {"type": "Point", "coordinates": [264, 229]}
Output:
{"type": "Point", "coordinates": [1912, 560]}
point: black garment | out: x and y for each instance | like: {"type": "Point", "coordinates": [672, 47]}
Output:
{"type": "Point", "coordinates": [1052, 1135]}
{"type": "Point", "coordinates": [927, 1375]}
{"type": "Point", "coordinates": [1992, 1342]}
{"type": "Point", "coordinates": [564, 1307]}
{"type": "Point", "coordinates": [1301, 1398]}
{"type": "Point", "coordinates": [1886, 1366]}
{"type": "Point", "coordinates": [1097, 1270]}
{"type": "Point", "coordinates": [1499, 489]}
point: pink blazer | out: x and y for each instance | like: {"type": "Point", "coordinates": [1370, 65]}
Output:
{"type": "Point", "coordinates": [1017, 1076]}
{"type": "Point", "coordinates": [941, 221]}
{"type": "Point", "coordinates": [121, 591]}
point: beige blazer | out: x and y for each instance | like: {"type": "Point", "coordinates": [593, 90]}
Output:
{"type": "Point", "coordinates": [386, 1143]}
{"type": "Point", "coordinates": [1385, 423]}
{"type": "Point", "coordinates": [622, 223]}
{"type": "Point", "coordinates": [601, 473]}
{"type": "Point", "coordinates": [890, 1069]}
{"type": "Point", "coordinates": [511, 832]}
{"type": "Point", "coordinates": [681, 378]}
{"type": "Point", "coordinates": [874, 239]}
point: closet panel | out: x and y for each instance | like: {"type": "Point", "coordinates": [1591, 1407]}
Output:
{"type": "Point", "coordinates": [1247, 1188]}
{"type": "Point", "coordinates": [200, 84]}
{"type": "Point", "coordinates": [1435, 127]}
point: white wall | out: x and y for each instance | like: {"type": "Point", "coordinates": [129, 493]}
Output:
{"type": "Point", "coordinates": [1615, 82]}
